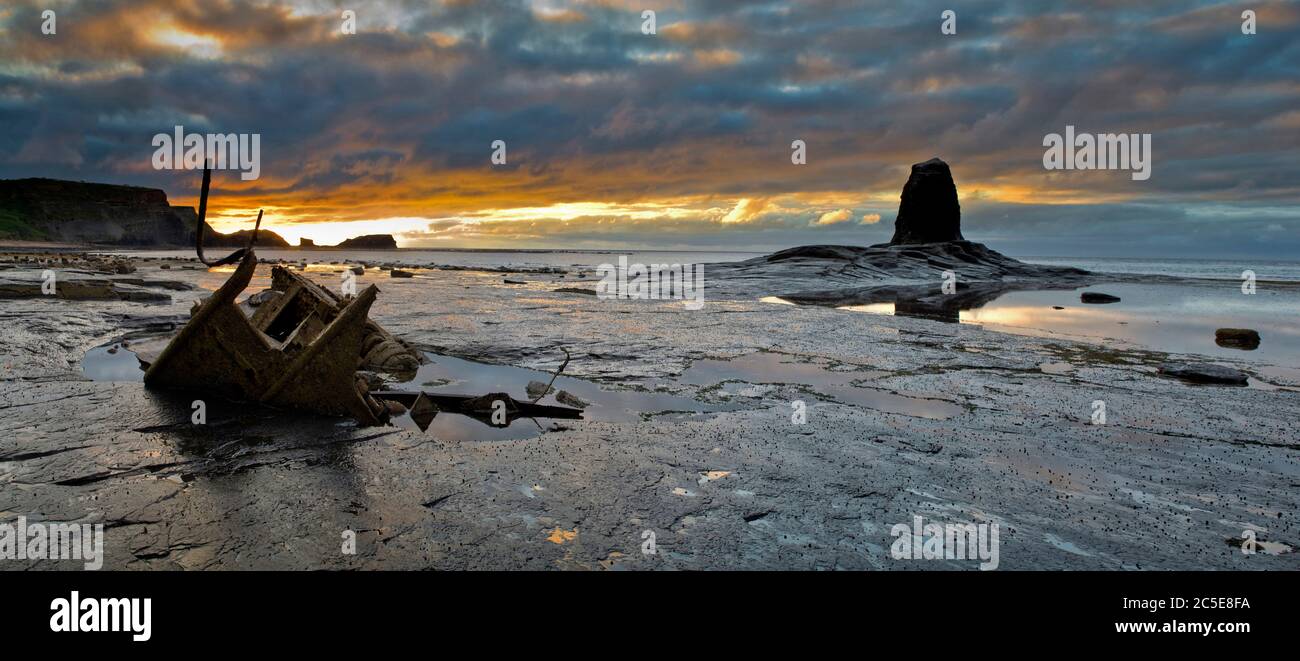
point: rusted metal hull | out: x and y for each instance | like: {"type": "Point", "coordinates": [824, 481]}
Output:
{"type": "Point", "coordinates": [301, 348]}
{"type": "Point", "coordinates": [306, 361]}
{"type": "Point", "coordinates": [479, 407]}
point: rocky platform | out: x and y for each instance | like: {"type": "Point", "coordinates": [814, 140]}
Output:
{"type": "Point", "coordinates": [1172, 478]}
{"type": "Point", "coordinates": [908, 274]}
{"type": "Point", "coordinates": [910, 271]}
{"type": "Point", "coordinates": [81, 277]}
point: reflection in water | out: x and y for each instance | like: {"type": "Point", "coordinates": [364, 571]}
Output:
{"type": "Point", "coordinates": [1171, 317]}
{"type": "Point", "coordinates": [445, 374]}
{"type": "Point", "coordinates": [448, 375]}
{"type": "Point", "coordinates": [769, 367]}
{"type": "Point", "coordinates": [111, 363]}
{"type": "Point", "coordinates": [872, 308]}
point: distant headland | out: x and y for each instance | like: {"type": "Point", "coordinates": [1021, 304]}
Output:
{"type": "Point", "coordinates": [85, 213]}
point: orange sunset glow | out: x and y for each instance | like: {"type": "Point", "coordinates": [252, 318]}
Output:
{"type": "Point", "coordinates": [680, 138]}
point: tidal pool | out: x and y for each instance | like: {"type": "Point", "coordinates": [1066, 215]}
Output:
{"type": "Point", "coordinates": [1174, 318]}
{"type": "Point", "coordinates": [446, 374]}
{"type": "Point", "coordinates": [449, 375]}
{"type": "Point", "coordinates": [843, 383]}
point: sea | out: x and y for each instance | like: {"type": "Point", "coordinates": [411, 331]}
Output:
{"type": "Point", "coordinates": [1178, 318]}
{"type": "Point", "coordinates": [1193, 268]}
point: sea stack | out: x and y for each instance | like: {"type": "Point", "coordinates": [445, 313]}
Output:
{"type": "Point", "coordinates": [929, 211]}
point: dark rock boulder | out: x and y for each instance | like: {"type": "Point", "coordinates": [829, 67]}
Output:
{"type": "Point", "coordinates": [537, 389]}
{"type": "Point", "coordinates": [1097, 298]}
{"type": "Point", "coordinates": [929, 211]}
{"type": "Point", "coordinates": [569, 399]}
{"type": "Point", "coordinates": [1237, 338]}
{"type": "Point", "coordinates": [1205, 373]}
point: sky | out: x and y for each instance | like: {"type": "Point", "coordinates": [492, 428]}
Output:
{"type": "Point", "coordinates": [679, 139]}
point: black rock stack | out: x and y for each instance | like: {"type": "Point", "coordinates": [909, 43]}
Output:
{"type": "Point", "coordinates": [929, 211]}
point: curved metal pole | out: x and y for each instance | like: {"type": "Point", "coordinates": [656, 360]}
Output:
{"type": "Point", "coordinates": [203, 216]}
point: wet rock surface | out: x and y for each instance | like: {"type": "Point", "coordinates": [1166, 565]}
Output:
{"type": "Point", "coordinates": [86, 286]}
{"type": "Point", "coordinates": [1175, 474]}
{"type": "Point", "coordinates": [569, 399]}
{"type": "Point", "coordinates": [856, 275]}
{"type": "Point", "coordinates": [1205, 373]}
{"type": "Point", "coordinates": [537, 389]}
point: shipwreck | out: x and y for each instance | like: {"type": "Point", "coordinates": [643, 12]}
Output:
{"type": "Point", "coordinates": [299, 345]}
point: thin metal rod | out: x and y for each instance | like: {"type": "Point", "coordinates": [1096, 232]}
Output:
{"type": "Point", "coordinates": [203, 220]}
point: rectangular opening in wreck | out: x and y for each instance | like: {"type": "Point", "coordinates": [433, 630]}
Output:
{"type": "Point", "coordinates": [286, 321]}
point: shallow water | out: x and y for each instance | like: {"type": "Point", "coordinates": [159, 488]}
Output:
{"type": "Point", "coordinates": [479, 258]}
{"type": "Point", "coordinates": [1224, 269]}
{"type": "Point", "coordinates": [448, 375]}
{"type": "Point", "coordinates": [445, 374]}
{"type": "Point", "coordinates": [1178, 318]}
{"type": "Point", "coordinates": [120, 365]}
{"type": "Point", "coordinates": [842, 383]}
{"type": "Point", "coordinates": [1175, 318]}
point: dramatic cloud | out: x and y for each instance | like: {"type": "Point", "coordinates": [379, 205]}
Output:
{"type": "Point", "coordinates": [833, 217]}
{"type": "Point", "coordinates": [681, 138]}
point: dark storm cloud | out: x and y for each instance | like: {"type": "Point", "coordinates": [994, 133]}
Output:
{"type": "Point", "coordinates": [398, 119]}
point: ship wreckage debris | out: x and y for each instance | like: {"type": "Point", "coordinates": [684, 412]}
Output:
{"type": "Point", "coordinates": [302, 346]}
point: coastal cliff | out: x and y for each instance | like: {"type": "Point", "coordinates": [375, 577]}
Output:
{"type": "Point", "coordinates": [82, 212]}
{"type": "Point", "coordinates": [79, 212]}
{"type": "Point", "coordinates": [370, 242]}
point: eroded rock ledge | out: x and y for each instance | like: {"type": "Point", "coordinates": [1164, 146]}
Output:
{"type": "Point", "coordinates": [926, 247]}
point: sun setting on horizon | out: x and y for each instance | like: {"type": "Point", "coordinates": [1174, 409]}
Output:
{"type": "Point", "coordinates": [554, 124]}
